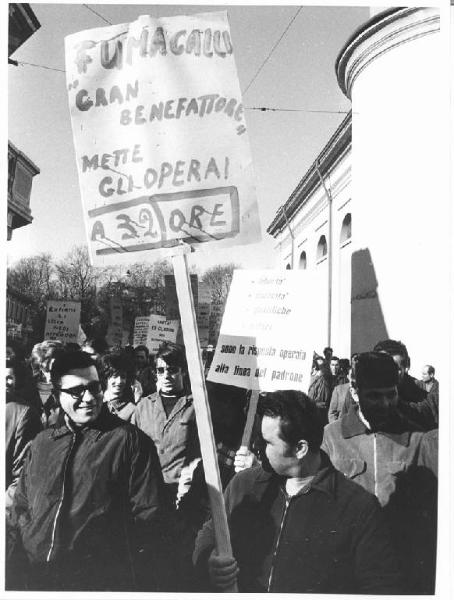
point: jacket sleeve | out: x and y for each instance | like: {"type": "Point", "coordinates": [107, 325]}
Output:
{"type": "Point", "coordinates": [16, 562]}
{"type": "Point", "coordinates": [205, 542]}
{"type": "Point", "coordinates": [28, 427]}
{"type": "Point", "coordinates": [375, 561]}
{"type": "Point", "coordinates": [153, 527]}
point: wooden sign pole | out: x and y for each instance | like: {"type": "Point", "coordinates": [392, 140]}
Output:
{"type": "Point", "coordinates": [201, 405]}
{"type": "Point", "coordinates": [252, 409]}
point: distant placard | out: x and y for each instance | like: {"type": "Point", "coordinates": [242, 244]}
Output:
{"type": "Point", "coordinates": [115, 328]}
{"type": "Point", "coordinates": [62, 320]}
{"type": "Point", "coordinates": [161, 330]}
{"type": "Point", "coordinates": [266, 336]}
{"type": "Point", "coordinates": [160, 136]}
{"type": "Point", "coordinates": [141, 326]}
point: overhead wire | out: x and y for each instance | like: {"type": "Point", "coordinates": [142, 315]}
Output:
{"type": "Point", "coordinates": [97, 14]}
{"type": "Point", "coordinates": [257, 108]}
{"type": "Point", "coordinates": [272, 50]}
{"type": "Point", "coordinates": [21, 62]}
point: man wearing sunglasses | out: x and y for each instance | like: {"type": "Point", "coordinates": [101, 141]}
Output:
{"type": "Point", "coordinates": [87, 506]}
{"type": "Point", "coordinates": [168, 416]}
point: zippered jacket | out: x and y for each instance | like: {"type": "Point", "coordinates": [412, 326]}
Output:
{"type": "Point", "coordinates": [87, 500]}
{"type": "Point", "coordinates": [330, 538]}
{"type": "Point", "coordinates": [392, 465]}
{"type": "Point", "coordinates": [175, 436]}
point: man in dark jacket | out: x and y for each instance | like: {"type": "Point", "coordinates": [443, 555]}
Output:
{"type": "Point", "coordinates": [297, 525]}
{"type": "Point", "coordinates": [416, 406]}
{"type": "Point", "coordinates": [89, 496]}
{"type": "Point", "coordinates": [371, 446]}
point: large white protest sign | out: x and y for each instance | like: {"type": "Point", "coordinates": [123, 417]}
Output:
{"type": "Point", "coordinates": [62, 320]}
{"type": "Point", "coordinates": [265, 342]}
{"type": "Point", "coordinates": [161, 144]}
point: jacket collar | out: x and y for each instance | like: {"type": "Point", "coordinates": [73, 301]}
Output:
{"type": "Point", "coordinates": [324, 480]}
{"type": "Point", "coordinates": [352, 426]}
{"type": "Point", "coordinates": [104, 423]}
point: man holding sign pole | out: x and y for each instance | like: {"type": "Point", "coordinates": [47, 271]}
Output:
{"type": "Point", "coordinates": [297, 525]}
{"type": "Point", "coordinates": [140, 194]}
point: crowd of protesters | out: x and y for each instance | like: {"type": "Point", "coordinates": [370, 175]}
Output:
{"type": "Point", "coordinates": [105, 488]}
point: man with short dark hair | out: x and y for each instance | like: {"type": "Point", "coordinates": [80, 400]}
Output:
{"type": "Point", "coordinates": [168, 416]}
{"type": "Point", "coordinates": [372, 446]}
{"type": "Point", "coordinates": [89, 496]}
{"type": "Point", "coordinates": [418, 408]}
{"type": "Point", "coordinates": [296, 524]}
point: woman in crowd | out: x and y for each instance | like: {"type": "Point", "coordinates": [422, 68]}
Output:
{"type": "Point", "coordinates": [117, 373]}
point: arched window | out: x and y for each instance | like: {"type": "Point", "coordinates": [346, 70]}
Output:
{"type": "Point", "coordinates": [322, 248]}
{"type": "Point", "coordinates": [303, 260]}
{"type": "Point", "coordinates": [288, 267]}
{"type": "Point", "coordinates": [346, 229]}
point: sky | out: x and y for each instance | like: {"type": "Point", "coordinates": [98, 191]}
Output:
{"type": "Point", "coordinates": [298, 79]}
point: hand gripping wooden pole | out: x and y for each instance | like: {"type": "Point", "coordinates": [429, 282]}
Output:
{"type": "Point", "coordinates": [252, 409]}
{"type": "Point", "coordinates": [202, 408]}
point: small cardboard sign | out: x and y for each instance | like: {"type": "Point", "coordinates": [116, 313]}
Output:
{"type": "Point", "coordinates": [152, 330]}
{"type": "Point", "coordinates": [141, 325]}
{"type": "Point", "coordinates": [62, 320]}
{"type": "Point", "coordinates": [266, 338]}
{"type": "Point", "coordinates": [115, 328]}
{"type": "Point", "coordinates": [160, 136]}
{"type": "Point", "coordinates": [161, 330]}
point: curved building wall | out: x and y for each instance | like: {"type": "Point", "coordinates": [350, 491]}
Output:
{"type": "Point", "coordinates": [400, 257]}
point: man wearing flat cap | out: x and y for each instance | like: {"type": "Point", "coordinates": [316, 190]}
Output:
{"type": "Point", "coordinates": [371, 446]}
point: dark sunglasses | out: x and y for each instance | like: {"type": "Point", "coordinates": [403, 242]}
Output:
{"type": "Point", "coordinates": [78, 391]}
{"type": "Point", "coordinates": [169, 368]}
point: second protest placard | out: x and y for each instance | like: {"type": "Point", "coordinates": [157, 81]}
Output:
{"type": "Point", "coordinates": [266, 337]}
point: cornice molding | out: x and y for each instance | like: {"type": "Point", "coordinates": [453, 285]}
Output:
{"type": "Point", "coordinates": [383, 33]}
{"type": "Point", "coordinates": [334, 151]}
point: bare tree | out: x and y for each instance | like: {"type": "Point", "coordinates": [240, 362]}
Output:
{"type": "Point", "coordinates": [219, 279]}
{"type": "Point", "coordinates": [77, 281]}
{"type": "Point", "coordinates": [35, 277]}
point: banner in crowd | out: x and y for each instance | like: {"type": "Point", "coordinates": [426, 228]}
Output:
{"type": "Point", "coordinates": [114, 335]}
{"type": "Point", "coordinates": [141, 326]}
{"type": "Point", "coordinates": [203, 314]}
{"type": "Point", "coordinates": [266, 337]}
{"type": "Point", "coordinates": [152, 330]}
{"type": "Point", "coordinates": [161, 330]}
{"type": "Point", "coordinates": [171, 298]}
{"type": "Point", "coordinates": [160, 136]}
{"type": "Point", "coordinates": [62, 320]}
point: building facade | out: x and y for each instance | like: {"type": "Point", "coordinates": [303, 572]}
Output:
{"type": "Point", "coordinates": [388, 276]}
{"type": "Point", "coordinates": [22, 24]}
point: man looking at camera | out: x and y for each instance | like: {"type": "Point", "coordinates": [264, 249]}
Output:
{"type": "Point", "coordinates": [87, 504]}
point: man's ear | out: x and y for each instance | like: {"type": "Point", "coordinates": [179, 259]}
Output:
{"type": "Point", "coordinates": [302, 448]}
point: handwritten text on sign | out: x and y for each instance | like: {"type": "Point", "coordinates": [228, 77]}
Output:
{"type": "Point", "coordinates": [161, 330]}
{"type": "Point", "coordinates": [62, 320]}
{"type": "Point", "coordinates": [265, 342]}
{"type": "Point", "coordinates": [160, 137]}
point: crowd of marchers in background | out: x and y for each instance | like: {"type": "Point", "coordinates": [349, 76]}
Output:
{"type": "Point", "coordinates": [105, 487]}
